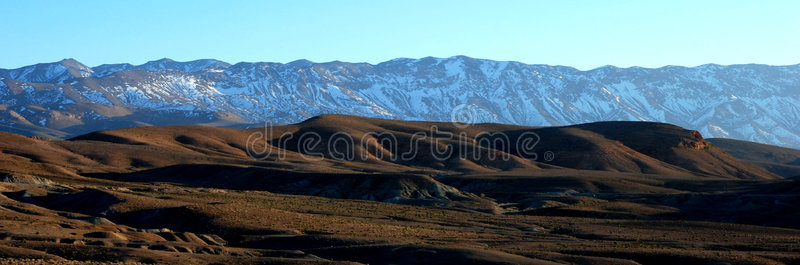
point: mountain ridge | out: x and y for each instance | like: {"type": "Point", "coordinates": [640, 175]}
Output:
{"type": "Point", "coordinates": [412, 59]}
{"type": "Point", "coordinates": [746, 101]}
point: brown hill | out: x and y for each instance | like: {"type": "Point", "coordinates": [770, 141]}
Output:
{"type": "Point", "coordinates": [388, 146]}
{"type": "Point", "coordinates": [350, 157]}
{"type": "Point", "coordinates": [779, 160]}
{"type": "Point", "coordinates": [640, 147]}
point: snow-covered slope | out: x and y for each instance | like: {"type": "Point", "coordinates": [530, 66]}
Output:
{"type": "Point", "coordinates": [48, 72]}
{"type": "Point", "coordinates": [749, 102]}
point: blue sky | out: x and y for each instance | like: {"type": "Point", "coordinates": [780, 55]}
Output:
{"type": "Point", "coordinates": [583, 34]}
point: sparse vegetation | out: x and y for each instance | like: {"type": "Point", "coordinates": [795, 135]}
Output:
{"type": "Point", "coordinates": [198, 199]}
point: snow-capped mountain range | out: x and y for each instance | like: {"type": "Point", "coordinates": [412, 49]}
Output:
{"type": "Point", "coordinates": [750, 102]}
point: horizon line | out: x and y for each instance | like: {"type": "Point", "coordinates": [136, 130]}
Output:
{"type": "Point", "coordinates": [416, 59]}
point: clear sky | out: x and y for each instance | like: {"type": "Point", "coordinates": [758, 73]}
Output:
{"type": "Point", "coordinates": [583, 34]}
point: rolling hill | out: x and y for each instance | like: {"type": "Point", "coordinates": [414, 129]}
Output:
{"type": "Point", "coordinates": [779, 160]}
{"type": "Point", "coordinates": [353, 190]}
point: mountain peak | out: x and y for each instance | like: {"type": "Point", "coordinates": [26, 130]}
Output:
{"type": "Point", "coordinates": [164, 60]}
{"type": "Point", "coordinates": [300, 62]}
{"type": "Point", "coordinates": [55, 72]}
{"type": "Point", "coordinates": [461, 57]}
{"type": "Point", "coordinates": [189, 67]}
{"type": "Point", "coordinates": [72, 63]}
{"type": "Point", "coordinates": [68, 60]}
